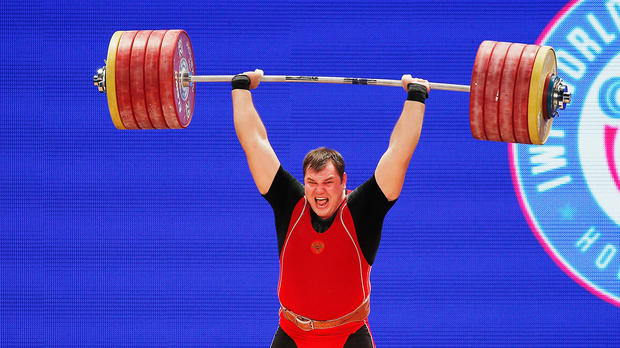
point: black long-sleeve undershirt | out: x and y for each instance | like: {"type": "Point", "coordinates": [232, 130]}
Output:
{"type": "Point", "coordinates": [367, 203]}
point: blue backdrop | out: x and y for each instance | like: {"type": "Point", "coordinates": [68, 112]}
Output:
{"type": "Point", "coordinates": [160, 238]}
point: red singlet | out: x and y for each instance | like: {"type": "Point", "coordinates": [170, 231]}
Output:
{"type": "Point", "coordinates": [323, 276]}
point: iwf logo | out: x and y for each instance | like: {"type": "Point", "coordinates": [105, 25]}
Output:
{"type": "Point", "coordinates": [569, 188]}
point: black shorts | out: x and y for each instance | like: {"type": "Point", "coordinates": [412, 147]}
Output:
{"type": "Point", "coordinates": [359, 339]}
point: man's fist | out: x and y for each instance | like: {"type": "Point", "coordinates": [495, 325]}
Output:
{"type": "Point", "coordinates": [255, 77]}
{"type": "Point", "coordinates": [247, 80]}
{"type": "Point", "coordinates": [407, 80]}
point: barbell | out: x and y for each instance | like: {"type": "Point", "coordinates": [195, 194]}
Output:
{"type": "Point", "coordinates": [150, 82]}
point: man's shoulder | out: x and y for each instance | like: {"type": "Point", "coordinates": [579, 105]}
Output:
{"type": "Point", "coordinates": [368, 194]}
{"type": "Point", "coordinates": [284, 187]}
{"type": "Point", "coordinates": [363, 190]}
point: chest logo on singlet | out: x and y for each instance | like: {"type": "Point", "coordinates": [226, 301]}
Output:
{"type": "Point", "coordinates": [317, 246]}
{"type": "Point", "coordinates": [569, 188]}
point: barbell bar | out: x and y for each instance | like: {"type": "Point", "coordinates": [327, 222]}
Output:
{"type": "Point", "coordinates": [326, 79]}
{"type": "Point", "coordinates": [150, 82]}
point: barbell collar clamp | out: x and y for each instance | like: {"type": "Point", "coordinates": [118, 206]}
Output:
{"type": "Point", "coordinates": [99, 79]}
{"type": "Point", "coordinates": [186, 78]}
{"type": "Point", "coordinates": [559, 97]}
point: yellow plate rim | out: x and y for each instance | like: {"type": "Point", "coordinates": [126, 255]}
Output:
{"type": "Point", "coordinates": [111, 81]}
{"type": "Point", "coordinates": [535, 101]}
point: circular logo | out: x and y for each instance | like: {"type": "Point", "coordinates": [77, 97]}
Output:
{"type": "Point", "coordinates": [317, 246]}
{"type": "Point", "coordinates": [183, 68]}
{"type": "Point", "coordinates": [569, 188]}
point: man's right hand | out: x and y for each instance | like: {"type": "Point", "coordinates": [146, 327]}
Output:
{"type": "Point", "coordinates": [255, 77]}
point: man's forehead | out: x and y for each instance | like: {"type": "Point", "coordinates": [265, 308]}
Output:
{"type": "Point", "coordinates": [320, 177]}
{"type": "Point", "coordinates": [326, 173]}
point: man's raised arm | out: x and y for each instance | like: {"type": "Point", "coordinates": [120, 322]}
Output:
{"type": "Point", "coordinates": [390, 172]}
{"type": "Point", "coordinates": [251, 131]}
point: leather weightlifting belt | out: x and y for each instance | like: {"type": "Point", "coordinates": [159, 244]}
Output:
{"type": "Point", "coordinates": [308, 324]}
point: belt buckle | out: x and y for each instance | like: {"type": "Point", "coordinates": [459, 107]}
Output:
{"type": "Point", "coordinates": [302, 323]}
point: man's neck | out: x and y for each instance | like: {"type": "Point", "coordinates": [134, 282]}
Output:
{"type": "Point", "coordinates": [320, 224]}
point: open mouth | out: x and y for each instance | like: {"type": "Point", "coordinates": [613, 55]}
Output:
{"type": "Point", "coordinates": [321, 202]}
{"type": "Point", "coordinates": [610, 144]}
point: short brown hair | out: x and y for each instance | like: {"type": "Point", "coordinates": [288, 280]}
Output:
{"type": "Point", "coordinates": [317, 160]}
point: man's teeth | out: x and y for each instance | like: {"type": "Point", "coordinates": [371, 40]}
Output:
{"type": "Point", "coordinates": [321, 201]}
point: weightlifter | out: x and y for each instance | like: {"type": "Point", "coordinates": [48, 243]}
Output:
{"type": "Point", "coordinates": [327, 235]}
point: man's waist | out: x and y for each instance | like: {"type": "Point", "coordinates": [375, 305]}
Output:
{"type": "Point", "coordinates": [308, 324]}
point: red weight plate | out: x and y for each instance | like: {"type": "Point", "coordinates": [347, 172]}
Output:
{"type": "Point", "coordinates": [492, 92]}
{"type": "Point", "coordinates": [123, 88]}
{"type": "Point", "coordinates": [476, 95]}
{"type": "Point", "coordinates": [507, 90]}
{"type": "Point", "coordinates": [175, 56]}
{"type": "Point", "coordinates": [151, 79]}
{"type": "Point", "coordinates": [522, 93]}
{"type": "Point", "coordinates": [136, 82]}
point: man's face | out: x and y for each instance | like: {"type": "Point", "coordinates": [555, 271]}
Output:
{"type": "Point", "coordinates": [324, 189]}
